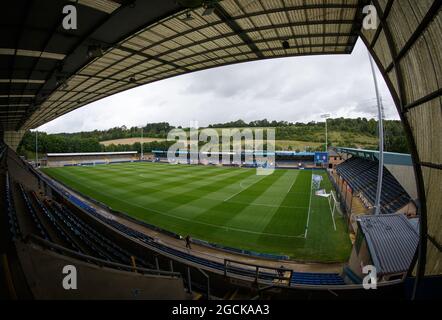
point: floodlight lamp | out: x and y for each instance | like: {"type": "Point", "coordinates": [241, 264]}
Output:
{"type": "Point", "coordinates": [94, 52]}
{"type": "Point", "coordinates": [188, 17]}
{"type": "Point", "coordinates": [208, 9]}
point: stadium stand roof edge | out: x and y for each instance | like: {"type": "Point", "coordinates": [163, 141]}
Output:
{"type": "Point", "coordinates": [80, 154]}
{"type": "Point", "coordinates": [389, 157]}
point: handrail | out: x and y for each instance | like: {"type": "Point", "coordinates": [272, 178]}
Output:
{"type": "Point", "coordinates": [100, 262]}
{"type": "Point", "coordinates": [256, 277]}
{"type": "Point", "coordinates": [208, 281]}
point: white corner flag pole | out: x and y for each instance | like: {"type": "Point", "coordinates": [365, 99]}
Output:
{"type": "Point", "coordinates": [381, 140]}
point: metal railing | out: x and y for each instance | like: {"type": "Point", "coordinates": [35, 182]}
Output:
{"type": "Point", "coordinates": [258, 272]}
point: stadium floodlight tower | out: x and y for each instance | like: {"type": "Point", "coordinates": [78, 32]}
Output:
{"type": "Point", "coordinates": [326, 116]}
{"type": "Point", "coordinates": [381, 138]}
{"type": "Point", "coordinates": [141, 145]}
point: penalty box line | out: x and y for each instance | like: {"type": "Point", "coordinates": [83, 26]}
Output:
{"type": "Point", "coordinates": [243, 189]}
{"type": "Point", "coordinates": [309, 208]}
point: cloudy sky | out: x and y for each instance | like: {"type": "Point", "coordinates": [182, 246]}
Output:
{"type": "Point", "coordinates": [290, 89]}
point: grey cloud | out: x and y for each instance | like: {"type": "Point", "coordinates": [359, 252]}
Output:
{"type": "Point", "coordinates": [291, 89]}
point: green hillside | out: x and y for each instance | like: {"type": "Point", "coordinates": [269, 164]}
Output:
{"type": "Point", "coordinates": [357, 133]}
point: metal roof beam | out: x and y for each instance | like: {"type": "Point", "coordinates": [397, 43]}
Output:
{"type": "Point", "coordinates": [32, 53]}
{"type": "Point", "coordinates": [150, 57]}
{"type": "Point", "coordinates": [285, 25]}
{"type": "Point", "coordinates": [432, 12]}
{"type": "Point", "coordinates": [423, 100]}
{"type": "Point", "coordinates": [316, 35]}
{"type": "Point", "coordinates": [297, 8]}
{"type": "Point", "coordinates": [39, 121]}
{"type": "Point", "coordinates": [227, 19]}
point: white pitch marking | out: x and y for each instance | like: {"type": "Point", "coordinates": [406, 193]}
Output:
{"type": "Point", "coordinates": [240, 184]}
{"type": "Point", "coordinates": [309, 208]}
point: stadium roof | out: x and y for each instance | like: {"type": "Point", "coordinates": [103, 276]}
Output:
{"type": "Point", "coordinates": [392, 241]}
{"type": "Point", "coordinates": [255, 152]}
{"type": "Point", "coordinates": [46, 71]}
{"type": "Point", "coordinates": [389, 157]}
{"type": "Point", "coordinates": [84, 154]}
{"type": "Point", "coordinates": [52, 74]}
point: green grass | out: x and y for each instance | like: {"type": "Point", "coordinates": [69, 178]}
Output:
{"type": "Point", "coordinates": [229, 206]}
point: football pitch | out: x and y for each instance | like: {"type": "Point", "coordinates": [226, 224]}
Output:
{"type": "Point", "coordinates": [233, 207]}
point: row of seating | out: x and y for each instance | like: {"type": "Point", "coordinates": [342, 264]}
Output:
{"type": "Point", "coordinates": [14, 227]}
{"type": "Point", "coordinates": [2, 150]}
{"type": "Point", "coordinates": [30, 209]}
{"type": "Point", "coordinates": [68, 230]}
{"type": "Point", "coordinates": [362, 176]}
{"type": "Point", "coordinates": [67, 238]}
{"type": "Point", "coordinates": [108, 247]}
{"type": "Point", "coordinates": [308, 278]}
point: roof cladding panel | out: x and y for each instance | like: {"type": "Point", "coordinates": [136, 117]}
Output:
{"type": "Point", "coordinates": [237, 31]}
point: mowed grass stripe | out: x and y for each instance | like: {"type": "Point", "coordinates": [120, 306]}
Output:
{"type": "Point", "coordinates": [126, 176]}
{"type": "Point", "coordinates": [134, 186]}
{"type": "Point", "coordinates": [211, 196]}
{"type": "Point", "coordinates": [258, 216]}
{"type": "Point", "coordinates": [152, 175]}
{"type": "Point", "coordinates": [290, 218]}
{"type": "Point", "coordinates": [225, 211]}
{"type": "Point", "coordinates": [170, 199]}
{"type": "Point", "coordinates": [294, 208]}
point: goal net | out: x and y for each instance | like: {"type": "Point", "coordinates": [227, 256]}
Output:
{"type": "Point", "coordinates": [331, 197]}
{"type": "Point", "coordinates": [319, 191]}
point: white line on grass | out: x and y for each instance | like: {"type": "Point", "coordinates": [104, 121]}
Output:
{"type": "Point", "coordinates": [290, 188]}
{"type": "Point", "coordinates": [243, 189]}
{"type": "Point", "coordinates": [309, 208]}
{"type": "Point", "coordinates": [264, 205]}
{"type": "Point", "coordinates": [214, 225]}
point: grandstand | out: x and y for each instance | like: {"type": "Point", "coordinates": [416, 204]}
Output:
{"type": "Point", "coordinates": [361, 177]}
{"type": "Point", "coordinates": [356, 179]}
{"type": "Point", "coordinates": [283, 159]}
{"type": "Point", "coordinates": [88, 158]}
